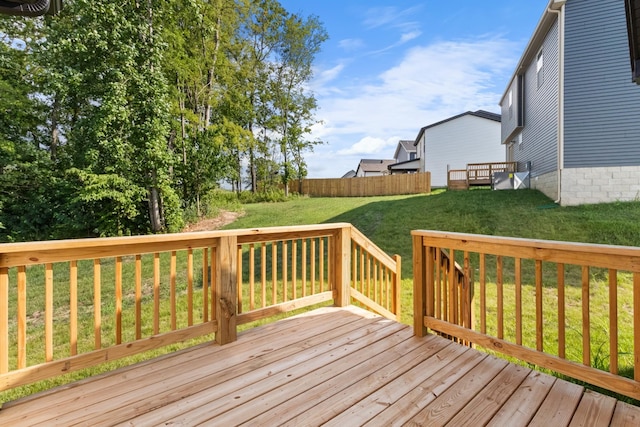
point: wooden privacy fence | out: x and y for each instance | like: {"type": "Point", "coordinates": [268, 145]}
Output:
{"type": "Point", "coordinates": [387, 185]}
{"type": "Point", "coordinates": [68, 305]}
{"type": "Point", "coordinates": [570, 307]}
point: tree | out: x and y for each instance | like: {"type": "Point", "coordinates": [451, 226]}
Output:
{"type": "Point", "coordinates": [105, 76]}
{"type": "Point", "coordinates": [300, 42]}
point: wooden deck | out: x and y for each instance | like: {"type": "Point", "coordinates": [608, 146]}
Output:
{"type": "Point", "coordinates": [333, 366]}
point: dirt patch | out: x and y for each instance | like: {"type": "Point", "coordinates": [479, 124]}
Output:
{"type": "Point", "coordinates": [224, 218]}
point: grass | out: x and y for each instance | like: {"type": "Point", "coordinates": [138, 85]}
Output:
{"type": "Point", "coordinates": [388, 221]}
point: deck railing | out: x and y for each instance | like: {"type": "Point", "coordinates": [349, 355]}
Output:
{"type": "Point", "coordinates": [569, 307]}
{"type": "Point", "coordinates": [69, 305]}
{"type": "Point", "coordinates": [477, 174]}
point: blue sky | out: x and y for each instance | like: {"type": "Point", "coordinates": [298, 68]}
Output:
{"type": "Point", "coordinates": [392, 67]}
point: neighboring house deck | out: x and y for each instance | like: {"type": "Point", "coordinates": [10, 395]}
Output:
{"type": "Point", "coordinates": [477, 174]}
{"type": "Point", "coordinates": [105, 299]}
{"type": "Point", "coordinates": [332, 366]}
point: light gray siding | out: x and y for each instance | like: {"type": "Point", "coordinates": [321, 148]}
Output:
{"type": "Point", "coordinates": [540, 104]}
{"type": "Point", "coordinates": [602, 105]}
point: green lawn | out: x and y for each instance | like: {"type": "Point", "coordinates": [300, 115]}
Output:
{"type": "Point", "coordinates": [388, 221]}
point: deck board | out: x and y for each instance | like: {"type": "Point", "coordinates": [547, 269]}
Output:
{"type": "Point", "coordinates": [333, 366]}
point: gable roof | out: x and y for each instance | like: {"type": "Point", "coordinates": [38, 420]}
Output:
{"type": "Point", "coordinates": [407, 145]}
{"type": "Point", "coordinates": [375, 165]}
{"type": "Point", "coordinates": [478, 113]}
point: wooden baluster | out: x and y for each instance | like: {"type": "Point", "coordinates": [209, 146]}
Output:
{"type": "Point", "coordinates": [294, 268]}
{"type": "Point", "coordinates": [172, 291]}
{"type": "Point", "coordinates": [453, 291]}
{"type": "Point", "coordinates": [97, 304]}
{"type": "Point", "coordinates": [285, 270]}
{"type": "Point", "coordinates": [274, 272]}
{"type": "Point", "coordinates": [118, 294]}
{"type": "Point", "coordinates": [252, 272]}
{"type": "Point", "coordinates": [539, 319]}
{"type": "Point", "coordinates": [586, 323]}
{"type": "Point", "coordinates": [304, 267]}
{"type": "Point", "coordinates": [156, 293]}
{"type": "Point", "coordinates": [483, 294]}
{"type": "Point", "coordinates": [613, 321]}
{"type": "Point", "coordinates": [362, 276]}
{"type": "Point", "coordinates": [321, 266]}
{"type": "Point", "coordinates": [190, 287]}
{"type": "Point", "coordinates": [48, 312]}
{"type": "Point", "coordinates": [4, 320]}
{"type": "Point", "coordinates": [500, 296]}
{"type": "Point", "coordinates": [138, 292]}
{"type": "Point", "coordinates": [205, 284]}
{"type": "Point", "coordinates": [313, 266]}
{"type": "Point", "coordinates": [438, 285]}
{"type": "Point", "coordinates": [73, 307]}
{"type": "Point", "coordinates": [562, 333]}
{"type": "Point", "coordinates": [263, 273]}
{"type": "Point", "coordinates": [239, 280]}
{"type": "Point", "coordinates": [518, 274]}
{"type": "Point", "coordinates": [22, 317]}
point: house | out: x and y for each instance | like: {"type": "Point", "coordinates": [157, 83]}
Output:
{"type": "Point", "coordinates": [570, 110]}
{"type": "Point", "coordinates": [470, 137]}
{"type": "Point", "coordinates": [406, 158]}
{"type": "Point", "coordinates": [373, 167]}
{"type": "Point", "coordinates": [350, 174]}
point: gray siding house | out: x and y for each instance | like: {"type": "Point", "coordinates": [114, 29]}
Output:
{"type": "Point", "coordinates": [570, 111]}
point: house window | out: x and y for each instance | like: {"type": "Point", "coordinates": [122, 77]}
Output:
{"type": "Point", "coordinates": [540, 68]}
{"type": "Point", "coordinates": [412, 156]}
{"type": "Point", "coordinates": [510, 103]}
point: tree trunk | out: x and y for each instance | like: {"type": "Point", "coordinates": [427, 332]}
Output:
{"type": "Point", "coordinates": [55, 112]}
{"type": "Point", "coordinates": [154, 210]}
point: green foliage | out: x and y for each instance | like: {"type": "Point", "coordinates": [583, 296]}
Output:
{"type": "Point", "coordinates": [123, 115]}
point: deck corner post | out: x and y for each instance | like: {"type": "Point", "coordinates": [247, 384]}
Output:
{"type": "Point", "coordinates": [342, 272]}
{"type": "Point", "coordinates": [226, 289]}
{"type": "Point", "coordinates": [419, 286]}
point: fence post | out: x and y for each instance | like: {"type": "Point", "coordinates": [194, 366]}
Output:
{"type": "Point", "coordinates": [342, 272]}
{"type": "Point", "coordinates": [226, 292]}
{"type": "Point", "coordinates": [419, 286]}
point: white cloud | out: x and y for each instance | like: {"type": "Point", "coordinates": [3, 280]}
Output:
{"type": "Point", "coordinates": [370, 145]}
{"type": "Point", "coordinates": [326, 76]}
{"type": "Point", "coordinates": [390, 16]}
{"type": "Point", "coordinates": [429, 83]}
{"type": "Point", "coordinates": [410, 36]}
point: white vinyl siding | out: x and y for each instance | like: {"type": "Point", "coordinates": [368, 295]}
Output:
{"type": "Point", "coordinates": [455, 143]}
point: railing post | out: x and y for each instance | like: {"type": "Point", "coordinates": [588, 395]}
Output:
{"type": "Point", "coordinates": [342, 262]}
{"type": "Point", "coordinates": [419, 286]}
{"type": "Point", "coordinates": [226, 291]}
{"type": "Point", "coordinates": [397, 294]}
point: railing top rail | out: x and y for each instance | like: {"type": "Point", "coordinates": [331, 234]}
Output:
{"type": "Point", "coordinates": [491, 163]}
{"type": "Point", "coordinates": [608, 256]}
{"type": "Point", "coordinates": [28, 253]}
